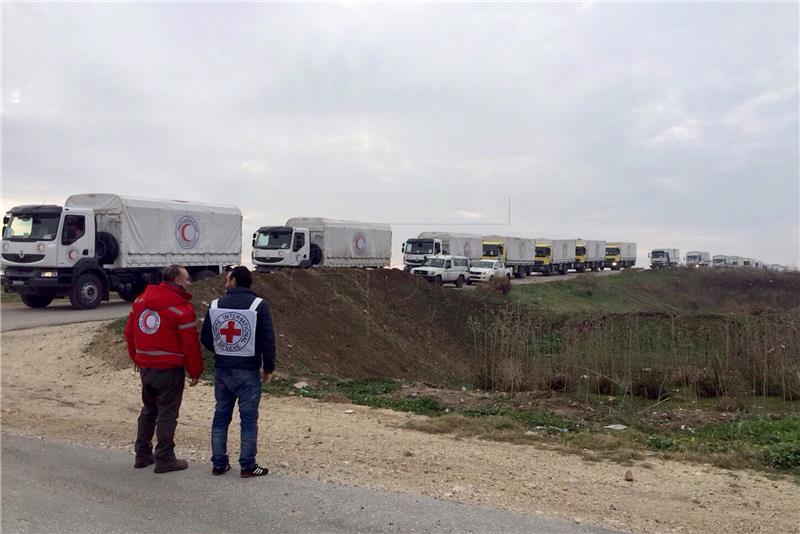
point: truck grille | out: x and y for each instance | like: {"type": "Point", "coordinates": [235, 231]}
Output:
{"type": "Point", "coordinates": [27, 258]}
{"type": "Point", "coordinates": [421, 273]}
{"type": "Point", "coordinates": [264, 259]}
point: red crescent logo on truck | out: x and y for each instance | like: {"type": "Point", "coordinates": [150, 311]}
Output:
{"type": "Point", "coordinates": [187, 232]}
{"type": "Point", "coordinates": [72, 254]}
{"type": "Point", "coordinates": [359, 243]}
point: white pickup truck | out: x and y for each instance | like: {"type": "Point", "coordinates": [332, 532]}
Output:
{"type": "Point", "coordinates": [489, 271]}
{"type": "Point", "coordinates": [445, 270]}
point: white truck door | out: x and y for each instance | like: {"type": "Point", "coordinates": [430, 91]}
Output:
{"type": "Point", "coordinates": [76, 238]}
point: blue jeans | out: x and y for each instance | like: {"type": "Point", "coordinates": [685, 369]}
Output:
{"type": "Point", "coordinates": [231, 385]}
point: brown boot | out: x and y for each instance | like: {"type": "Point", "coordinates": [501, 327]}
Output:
{"type": "Point", "coordinates": [174, 465]}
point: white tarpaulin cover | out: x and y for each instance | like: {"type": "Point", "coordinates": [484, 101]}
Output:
{"type": "Point", "coordinates": [348, 243]}
{"type": "Point", "coordinates": [458, 244]}
{"type": "Point", "coordinates": [160, 232]}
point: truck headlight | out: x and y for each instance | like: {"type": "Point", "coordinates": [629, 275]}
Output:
{"type": "Point", "coordinates": [49, 274]}
{"type": "Point", "coordinates": [614, 264]}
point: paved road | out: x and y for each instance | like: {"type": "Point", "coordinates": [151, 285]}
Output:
{"type": "Point", "coordinates": [53, 487]}
{"type": "Point", "coordinates": [15, 315]}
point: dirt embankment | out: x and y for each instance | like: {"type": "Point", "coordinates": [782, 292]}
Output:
{"type": "Point", "coordinates": [353, 323]}
{"type": "Point", "coordinates": [52, 387]}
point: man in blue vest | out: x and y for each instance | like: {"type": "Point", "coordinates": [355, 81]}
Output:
{"type": "Point", "coordinates": [238, 330]}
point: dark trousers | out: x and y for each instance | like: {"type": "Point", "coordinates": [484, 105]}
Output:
{"type": "Point", "coordinates": [162, 393]}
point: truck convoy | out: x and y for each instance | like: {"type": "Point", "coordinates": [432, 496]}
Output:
{"type": "Point", "coordinates": [98, 243]}
{"type": "Point", "coordinates": [661, 258]}
{"type": "Point", "coordinates": [698, 258]}
{"type": "Point", "coordinates": [620, 255]}
{"type": "Point", "coordinates": [518, 254]}
{"type": "Point", "coordinates": [589, 255]}
{"type": "Point", "coordinates": [307, 241]}
{"type": "Point", "coordinates": [554, 255]}
{"type": "Point", "coordinates": [417, 251]}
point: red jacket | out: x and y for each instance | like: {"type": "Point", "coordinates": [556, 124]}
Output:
{"type": "Point", "coordinates": [162, 330]}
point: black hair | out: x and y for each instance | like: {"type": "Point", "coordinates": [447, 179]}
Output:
{"type": "Point", "coordinates": [242, 276]}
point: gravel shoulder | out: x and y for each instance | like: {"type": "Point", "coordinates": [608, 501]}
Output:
{"type": "Point", "coordinates": [52, 388]}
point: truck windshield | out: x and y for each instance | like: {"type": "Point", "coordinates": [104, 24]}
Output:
{"type": "Point", "coordinates": [491, 251]}
{"type": "Point", "coordinates": [719, 260]}
{"type": "Point", "coordinates": [542, 252]}
{"type": "Point", "coordinates": [612, 251]}
{"type": "Point", "coordinates": [580, 251]}
{"type": "Point", "coordinates": [419, 246]}
{"type": "Point", "coordinates": [485, 264]}
{"type": "Point", "coordinates": [39, 227]}
{"type": "Point", "coordinates": [274, 240]}
{"type": "Point", "coordinates": [657, 254]}
{"type": "Point", "coordinates": [692, 258]}
{"type": "Point", "coordinates": [434, 262]}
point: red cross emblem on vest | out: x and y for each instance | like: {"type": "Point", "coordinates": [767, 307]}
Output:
{"type": "Point", "coordinates": [230, 332]}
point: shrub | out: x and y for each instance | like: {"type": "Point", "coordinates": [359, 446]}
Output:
{"type": "Point", "coordinates": [783, 456]}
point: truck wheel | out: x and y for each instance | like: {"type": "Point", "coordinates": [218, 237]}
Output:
{"type": "Point", "coordinates": [438, 280]}
{"type": "Point", "coordinates": [518, 273]}
{"type": "Point", "coordinates": [129, 295]}
{"type": "Point", "coordinates": [106, 248]}
{"type": "Point", "coordinates": [36, 301]}
{"type": "Point", "coordinates": [87, 292]}
{"type": "Point", "coordinates": [205, 273]}
{"type": "Point", "coordinates": [460, 282]}
{"type": "Point", "coordinates": [316, 254]}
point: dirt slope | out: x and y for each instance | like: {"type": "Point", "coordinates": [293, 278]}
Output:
{"type": "Point", "coordinates": [352, 323]}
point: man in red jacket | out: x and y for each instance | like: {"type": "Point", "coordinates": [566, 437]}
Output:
{"type": "Point", "coordinates": [162, 341]}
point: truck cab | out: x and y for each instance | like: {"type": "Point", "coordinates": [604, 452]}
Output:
{"type": "Point", "coordinates": [445, 270]}
{"type": "Point", "coordinates": [698, 258]}
{"type": "Point", "coordinates": [416, 251]}
{"type": "Point", "coordinates": [543, 258]}
{"type": "Point", "coordinates": [283, 246]}
{"type": "Point", "coordinates": [494, 250]}
{"type": "Point", "coordinates": [45, 250]}
{"type": "Point", "coordinates": [664, 257]}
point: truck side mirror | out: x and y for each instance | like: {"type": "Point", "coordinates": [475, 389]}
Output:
{"type": "Point", "coordinates": [6, 219]}
{"type": "Point", "coordinates": [403, 248]}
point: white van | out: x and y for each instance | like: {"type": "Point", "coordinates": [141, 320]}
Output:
{"type": "Point", "coordinates": [444, 270]}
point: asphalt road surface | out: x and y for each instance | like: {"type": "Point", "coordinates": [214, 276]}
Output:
{"type": "Point", "coordinates": [16, 316]}
{"type": "Point", "coordinates": [55, 487]}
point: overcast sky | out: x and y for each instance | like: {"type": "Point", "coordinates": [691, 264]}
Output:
{"type": "Point", "coordinates": [669, 125]}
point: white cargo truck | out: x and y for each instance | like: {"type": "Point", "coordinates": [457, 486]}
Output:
{"type": "Point", "coordinates": [98, 243]}
{"type": "Point", "coordinates": [517, 253]}
{"type": "Point", "coordinates": [698, 258]}
{"type": "Point", "coordinates": [589, 255]}
{"type": "Point", "coordinates": [554, 255]}
{"type": "Point", "coordinates": [719, 260]}
{"type": "Point", "coordinates": [620, 255]}
{"type": "Point", "coordinates": [417, 250]}
{"type": "Point", "coordinates": [663, 258]}
{"type": "Point", "coordinates": [307, 241]}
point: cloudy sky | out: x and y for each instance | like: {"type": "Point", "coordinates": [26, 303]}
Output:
{"type": "Point", "coordinates": [669, 125]}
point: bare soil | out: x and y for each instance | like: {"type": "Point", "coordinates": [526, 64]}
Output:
{"type": "Point", "coordinates": [347, 322]}
{"type": "Point", "coordinates": [54, 388]}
